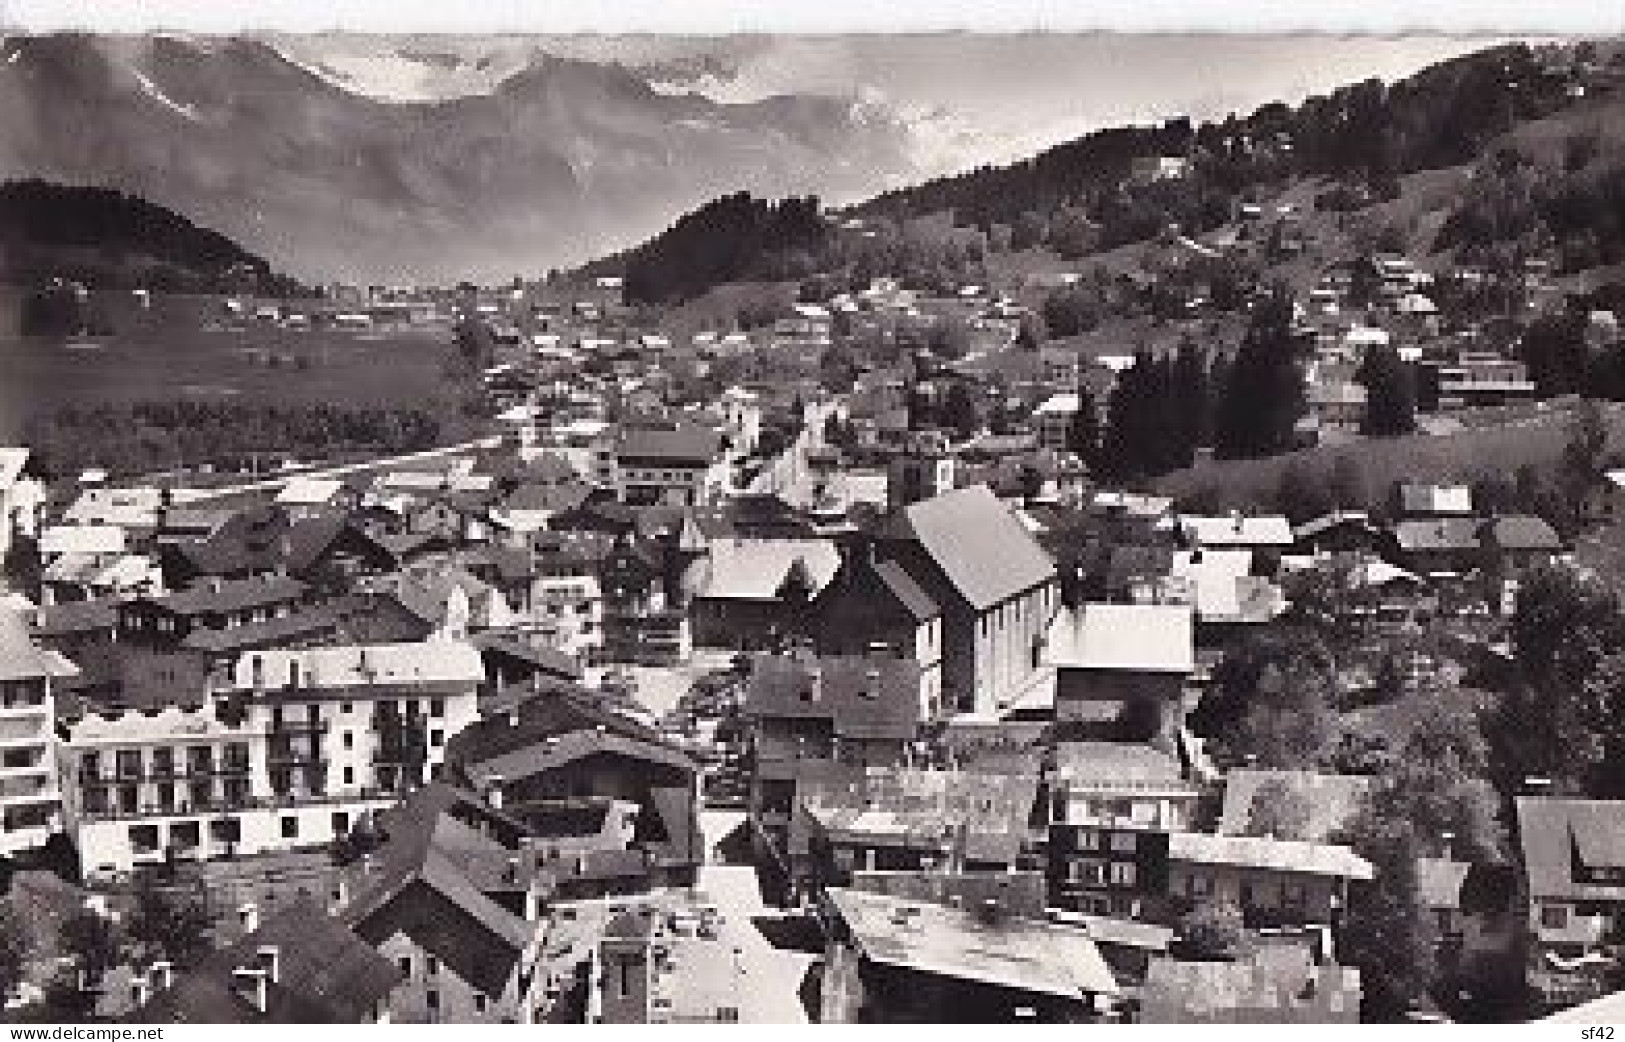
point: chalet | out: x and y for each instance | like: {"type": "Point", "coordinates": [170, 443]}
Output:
{"type": "Point", "coordinates": [1112, 806]}
{"type": "Point", "coordinates": [1275, 882]}
{"type": "Point", "coordinates": [871, 606]}
{"type": "Point", "coordinates": [1341, 531]}
{"type": "Point", "coordinates": [665, 463]}
{"type": "Point", "coordinates": [899, 961]}
{"type": "Point", "coordinates": [1121, 669]}
{"type": "Point", "coordinates": [169, 620]}
{"type": "Point", "coordinates": [996, 586]}
{"type": "Point", "coordinates": [1236, 531]}
{"type": "Point", "coordinates": [1573, 856]}
{"type": "Point", "coordinates": [1054, 420]}
{"type": "Point", "coordinates": [824, 720]}
{"type": "Point", "coordinates": [301, 966]}
{"type": "Point", "coordinates": [305, 497]}
{"type": "Point", "coordinates": [747, 593]}
{"type": "Point", "coordinates": [429, 901]}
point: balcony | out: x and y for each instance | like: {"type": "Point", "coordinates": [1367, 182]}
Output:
{"type": "Point", "coordinates": [287, 726]}
{"type": "Point", "coordinates": [186, 808]}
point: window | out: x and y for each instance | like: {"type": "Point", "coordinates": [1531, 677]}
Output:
{"type": "Point", "coordinates": [341, 823]}
{"type": "Point", "coordinates": [727, 1014]}
{"type": "Point", "coordinates": [1124, 842]}
{"type": "Point", "coordinates": [437, 738]}
{"type": "Point", "coordinates": [1554, 917]}
{"type": "Point", "coordinates": [479, 1003]}
{"type": "Point", "coordinates": [1088, 839]}
{"type": "Point", "coordinates": [437, 707]}
{"type": "Point", "coordinates": [349, 775]}
{"type": "Point", "coordinates": [290, 827]}
{"type": "Point", "coordinates": [405, 963]}
{"type": "Point", "coordinates": [349, 740]}
{"type": "Point", "coordinates": [129, 763]}
{"type": "Point", "coordinates": [347, 707]}
{"type": "Point", "coordinates": [431, 998]}
{"type": "Point", "coordinates": [1123, 873]}
{"type": "Point", "coordinates": [144, 838]}
{"type": "Point", "coordinates": [431, 966]}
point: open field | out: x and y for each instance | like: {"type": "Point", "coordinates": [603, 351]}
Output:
{"type": "Point", "coordinates": [168, 354]}
{"type": "Point", "coordinates": [1461, 457]}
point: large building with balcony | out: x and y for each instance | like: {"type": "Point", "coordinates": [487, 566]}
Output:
{"type": "Point", "coordinates": [289, 753]}
{"type": "Point", "coordinates": [30, 800]}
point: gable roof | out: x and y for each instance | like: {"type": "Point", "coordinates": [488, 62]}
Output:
{"type": "Point", "coordinates": [21, 658]}
{"type": "Point", "coordinates": [1112, 763]}
{"type": "Point", "coordinates": [1236, 530]}
{"type": "Point", "coordinates": [987, 555]}
{"type": "Point", "coordinates": [1156, 638]}
{"type": "Point", "coordinates": [673, 443]}
{"type": "Point", "coordinates": [231, 595]}
{"type": "Point", "coordinates": [1279, 855]}
{"type": "Point", "coordinates": [869, 697]}
{"type": "Point", "coordinates": [12, 461]}
{"type": "Point", "coordinates": [1559, 835]}
{"type": "Point", "coordinates": [1443, 533]}
{"type": "Point", "coordinates": [1435, 499]}
{"type": "Point", "coordinates": [326, 974]}
{"type": "Point", "coordinates": [1020, 954]}
{"type": "Point", "coordinates": [754, 569]}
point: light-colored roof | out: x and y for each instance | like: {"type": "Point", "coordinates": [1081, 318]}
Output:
{"type": "Point", "coordinates": [309, 491]}
{"type": "Point", "coordinates": [754, 569]}
{"type": "Point", "coordinates": [1610, 1009]}
{"type": "Point", "coordinates": [1237, 530]}
{"type": "Point", "coordinates": [986, 553]}
{"type": "Point", "coordinates": [1059, 405]}
{"type": "Point", "coordinates": [1556, 832]}
{"type": "Point", "coordinates": [21, 658]}
{"type": "Point", "coordinates": [81, 539]}
{"type": "Point", "coordinates": [1106, 763]}
{"type": "Point", "coordinates": [1020, 954]}
{"type": "Point", "coordinates": [1436, 499]}
{"type": "Point", "coordinates": [1439, 881]}
{"type": "Point", "coordinates": [430, 662]}
{"type": "Point", "coordinates": [1134, 637]}
{"type": "Point", "coordinates": [1278, 855]}
{"type": "Point", "coordinates": [12, 461]}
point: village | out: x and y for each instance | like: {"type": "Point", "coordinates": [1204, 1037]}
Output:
{"type": "Point", "coordinates": [798, 703]}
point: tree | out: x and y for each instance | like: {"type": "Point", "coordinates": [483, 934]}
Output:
{"type": "Point", "coordinates": [167, 922]}
{"type": "Point", "coordinates": [1263, 394]}
{"type": "Point", "coordinates": [1213, 930]}
{"type": "Point", "coordinates": [1390, 407]}
{"type": "Point", "coordinates": [94, 942]}
{"type": "Point", "coordinates": [1582, 464]}
{"type": "Point", "coordinates": [1279, 811]}
{"type": "Point", "coordinates": [958, 413]}
{"type": "Point", "coordinates": [1272, 702]}
{"type": "Point", "coordinates": [1385, 930]}
{"type": "Point", "coordinates": [1083, 433]}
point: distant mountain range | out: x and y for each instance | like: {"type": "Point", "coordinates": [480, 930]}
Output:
{"type": "Point", "coordinates": [559, 161]}
{"type": "Point", "coordinates": [386, 159]}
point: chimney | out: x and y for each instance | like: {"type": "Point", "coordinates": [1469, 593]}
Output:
{"type": "Point", "coordinates": [268, 957]}
{"type": "Point", "coordinates": [248, 916]}
{"type": "Point", "coordinates": [493, 792]}
{"type": "Point", "coordinates": [251, 985]}
{"type": "Point", "coordinates": [161, 975]}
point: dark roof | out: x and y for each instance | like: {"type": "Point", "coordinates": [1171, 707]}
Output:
{"type": "Point", "coordinates": [228, 595]}
{"type": "Point", "coordinates": [908, 592]}
{"type": "Point", "coordinates": [542, 658]}
{"type": "Point", "coordinates": [863, 696]}
{"type": "Point", "coordinates": [326, 974]}
{"type": "Point", "coordinates": [986, 554]}
{"type": "Point", "coordinates": [76, 617]}
{"type": "Point", "coordinates": [677, 443]}
{"type": "Point", "coordinates": [265, 540]}
{"type": "Point", "coordinates": [300, 625]}
{"type": "Point", "coordinates": [552, 498]}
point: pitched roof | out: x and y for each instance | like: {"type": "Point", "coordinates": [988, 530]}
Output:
{"type": "Point", "coordinates": [232, 595]}
{"type": "Point", "coordinates": [1108, 763]}
{"type": "Point", "coordinates": [266, 633]}
{"type": "Point", "coordinates": [356, 666]}
{"type": "Point", "coordinates": [1020, 954]}
{"type": "Point", "coordinates": [1522, 532]}
{"type": "Point", "coordinates": [1268, 854]}
{"type": "Point", "coordinates": [544, 658]}
{"type": "Point", "coordinates": [21, 658]}
{"type": "Point", "coordinates": [1331, 799]}
{"type": "Point", "coordinates": [1130, 637]}
{"type": "Point", "coordinates": [81, 539]}
{"type": "Point", "coordinates": [12, 461]}
{"type": "Point", "coordinates": [754, 569]}
{"type": "Point", "coordinates": [1559, 835]}
{"type": "Point", "coordinates": [308, 491]}
{"type": "Point", "coordinates": [551, 753]}
{"type": "Point", "coordinates": [1237, 530]}
{"type": "Point", "coordinates": [1443, 533]}
{"type": "Point", "coordinates": [869, 697]}
{"type": "Point", "coordinates": [987, 555]}
{"type": "Point", "coordinates": [674, 443]}
{"type": "Point", "coordinates": [325, 974]}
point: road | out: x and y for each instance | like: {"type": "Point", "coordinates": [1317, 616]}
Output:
{"type": "Point", "coordinates": [771, 991]}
